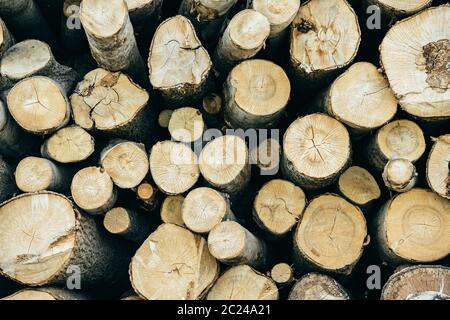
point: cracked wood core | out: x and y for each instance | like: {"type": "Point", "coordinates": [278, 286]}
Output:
{"type": "Point", "coordinates": [279, 206]}
{"type": "Point", "coordinates": [418, 67]}
{"type": "Point", "coordinates": [103, 23]}
{"type": "Point", "coordinates": [174, 167]}
{"type": "Point", "coordinates": [243, 283]}
{"type": "Point", "coordinates": [173, 263]}
{"type": "Point", "coordinates": [316, 286]}
{"type": "Point", "coordinates": [438, 166]}
{"type": "Point", "coordinates": [280, 13]}
{"type": "Point", "coordinates": [39, 105]}
{"type": "Point", "coordinates": [34, 174]}
{"type": "Point", "coordinates": [331, 234]}
{"type": "Point", "coordinates": [325, 36]}
{"type": "Point", "coordinates": [416, 225]}
{"type": "Point", "coordinates": [186, 125]}
{"type": "Point", "coordinates": [359, 186]}
{"type": "Point", "coordinates": [37, 237]}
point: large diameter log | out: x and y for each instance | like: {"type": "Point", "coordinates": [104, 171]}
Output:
{"type": "Point", "coordinates": [127, 223]}
{"type": "Point", "coordinates": [418, 283]}
{"type": "Point", "coordinates": [32, 58]}
{"type": "Point", "coordinates": [186, 125]}
{"type": "Point", "coordinates": [399, 175]}
{"type": "Point", "coordinates": [244, 37]}
{"type": "Point", "coordinates": [173, 263]}
{"type": "Point", "coordinates": [71, 144]}
{"type": "Point", "coordinates": [256, 94]}
{"type": "Point", "coordinates": [174, 167]}
{"type": "Point", "coordinates": [232, 244]}
{"type": "Point", "coordinates": [39, 105]}
{"type": "Point", "coordinates": [398, 139]}
{"type": "Point", "coordinates": [278, 207]}
{"type": "Point", "coordinates": [179, 66]}
{"type": "Point", "coordinates": [48, 294]}
{"type": "Point", "coordinates": [243, 283]}
{"type": "Point", "coordinates": [325, 38]}
{"type": "Point", "coordinates": [425, 93]}
{"type": "Point", "coordinates": [438, 166]}
{"type": "Point", "coordinates": [112, 104]}
{"type": "Point", "coordinates": [316, 150]}
{"type": "Point", "coordinates": [111, 37]}
{"type": "Point", "coordinates": [316, 286]}
{"type": "Point", "coordinates": [44, 239]}
{"type": "Point", "coordinates": [126, 162]}
{"type": "Point", "coordinates": [204, 208]}
{"type": "Point", "coordinates": [331, 236]}
{"type": "Point", "coordinates": [414, 227]}
{"type": "Point", "coordinates": [6, 38]}
{"type": "Point", "coordinates": [7, 184]}
{"type": "Point", "coordinates": [93, 190]}
{"type": "Point", "coordinates": [171, 209]}
{"type": "Point", "coordinates": [360, 98]}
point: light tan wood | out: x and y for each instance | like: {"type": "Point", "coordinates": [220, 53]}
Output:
{"type": "Point", "coordinates": [148, 195]}
{"type": "Point", "coordinates": [48, 294]}
{"type": "Point", "coordinates": [438, 166]}
{"type": "Point", "coordinates": [316, 286]}
{"type": "Point", "coordinates": [186, 125]}
{"type": "Point", "coordinates": [127, 223]}
{"type": "Point", "coordinates": [399, 175]}
{"type": "Point", "coordinates": [171, 209]}
{"type": "Point", "coordinates": [282, 274]}
{"type": "Point", "coordinates": [392, 10]}
{"type": "Point", "coordinates": [358, 186]}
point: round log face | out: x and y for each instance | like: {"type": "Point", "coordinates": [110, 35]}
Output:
{"type": "Point", "coordinates": [34, 174]}
{"type": "Point", "coordinates": [407, 6]}
{"type": "Point", "coordinates": [30, 295]}
{"type": "Point", "coordinates": [248, 29]}
{"type": "Point", "coordinates": [280, 13]}
{"type": "Point", "coordinates": [438, 172]}
{"type": "Point", "coordinates": [359, 186]}
{"type": "Point", "coordinates": [103, 23]}
{"type": "Point", "coordinates": [315, 286]}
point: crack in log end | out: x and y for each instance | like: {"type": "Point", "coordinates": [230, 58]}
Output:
{"type": "Point", "coordinates": [436, 61]}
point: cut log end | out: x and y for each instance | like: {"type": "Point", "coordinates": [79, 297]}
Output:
{"type": "Point", "coordinates": [186, 125]}
{"type": "Point", "coordinates": [117, 221]}
{"type": "Point", "coordinates": [282, 274]}
{"type": "Point", "coordinates": [35, 174]}
{"type": "Point", "coordinates": [315, 286]}
{"type": "Point", "coordinates": [400, 175]}
{"type": "Point", "coordinates": [358, 186]}
{"type": "Point", "coordinates": [438, 167]}
{"type": "Point", "coordinates": [171, 209]}
{"type": "Point", "coordinates": [279, 13]}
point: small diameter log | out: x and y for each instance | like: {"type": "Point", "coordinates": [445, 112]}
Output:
{"type": "Point", "coordinates": [170, 211]}
{"type": "Point", "coordinates": [243, 283]}
{"type": "Point", "coordinates": [282, 274]}
{"type": "Point", "coordinates": [232, 244]}
{"type": "Point", "coordinates": [425, 93]}
{"type": "Point", "coordinates": [179, 66]}
{"type": "Point", "coordinates": [256, 94]}
{"type": "Point", "coordinates": [316, 286]}
{"type": "Point", "coordinates": [414, 227]}
{"type": "Point", "coordinates": [438, 166]}
{"type": "Point", "coordinates": [398, 139]}
{"type": "Point", "coordinates": [174, 167]}
{"type": "Point", "coordinates": [112, 104]}
{"type": "Point", "coordinates": [418, 283]}
{"type": "Point", "coordinates": [38, 174]}
{"type": "Point", "coordinates": [93, 190]}
{"type": "Point", "coordinates": [6, 38]}
{"type": "Point", "coordinates": [267, 157]}
{"type": "Point", "coordinates": [57, 241]}
{"type": "Point", "coordinates": [39, 105]}
{"type": "Point", "coordinates": [73, 37]}
{"type": "Point", "coordinates": [7, 184]}
{"type": "Point", "coordinates": [358, 186]}
{"type": "Point", "coordinates": [111, 37]}
{"type": "Point", "coordinates": [370, 105]}
{"type": "Point", "coordinates": [208, 16]}
{"type": "Point", "coordinates": [71, 144]}
{"type": "Point", "coordinates": [127, 223]}
{"type": "Point", "coordinates": [325, 38]}
{"type": "Point", "coordinates": [48, 294]}
{"type": "Point", "coordinates": [31, 58]}
{"type": "Point", "coordinates": [331, 236]}
{"type": "Point", "coordinates": [399, 175]}
{"type": "Point", "coordinates": [212, 107]}
{"type": "Point", "coordinates": [244, 37]}
{"type": "Point", "coordinates": [164, 118]}
{"type": "Point", "coordinates": [224, 163]}
{"type": "Point", "coordinates": [316, 150]}
{"type": "Point", "coordinates": [173, 263]}
{"type": "Point", "coordinates": [204, 208]}
{"type": "Point", "coordinates": [148, 196]}
{"type": "Point", "coordinates": [278, 207]}
{"type": "Point", "coordinates": [126, 162]}
{"type": "Point", "coordinates": [186, 125]}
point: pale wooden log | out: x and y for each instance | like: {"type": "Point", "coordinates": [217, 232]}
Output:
{"type": "Point", "coordinates": [418, 283]}
{"type": "Point", "coordinates": [244, 37]}
{"type": "Point", "coordinates": [256, 93]}
{"type": "Point", "coordinates": [174, 167]}
{"type": "Point", "coordinates": [111, 37]}
{"type": "Point", "coordinates": [278, 207]}
{"type": "Point", "coordinates": [438, 166]}
{"type": "Point", "coordinates": [56, 241]}
{"type": "Point", "coordinates": [398, 139]}
{"type": "Point", "coordinates": [148, 195]}
{"type": "Point", "coordinates": [325, 38]}
{"type": "Point", "coordinates": [399, 175]}
{"type": "Point", "coordinates": [128, 224]}
{"type": "Point", "coordinates": [93, 190]}
{"type": "Point", "coordinates": [71, 144]}
{"type": "Point", "coordinates": [224, 163]}
{"type": "Point", "coordinates": [179, 66]}
{"type": "Point", "coordinates": [6, 38]}
{"type": "Point", "coordinates": [282, 274]}
{"type": "Point", "coordinates": [316, 150]}
{"type": "Point", "coordinates": [243, 283]}
{"type": "Point", "coordinates": [7, 185]}
{"type": "Point", "coordinates": [331, 236]}
{"type": "Point", "coordinates": [39, 105]}
{"type": "Point", "coordinates": [414, 227]}
{"type": "Point", "coordinates": [232, 244]}
{"type": "Point", "coordinates": [48, 294]}
{"type": "Point", "coordinates": [424, 93]}
{"type": "Point", "coordinates": [316, 286]}
{"type": "Point", "coordinates": [204, 208]}
{"type": "Point", "coordinates": [173, 263]}
{"type": "Point", "coordinates": [112, 104]}
{"type": "Point", "coordinates": [186, 125]}
{"type": "Point", "coordinates": [171, 210]}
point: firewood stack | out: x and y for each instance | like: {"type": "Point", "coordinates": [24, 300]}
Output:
{"type": "Point", "coordinates": [224, 149]}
